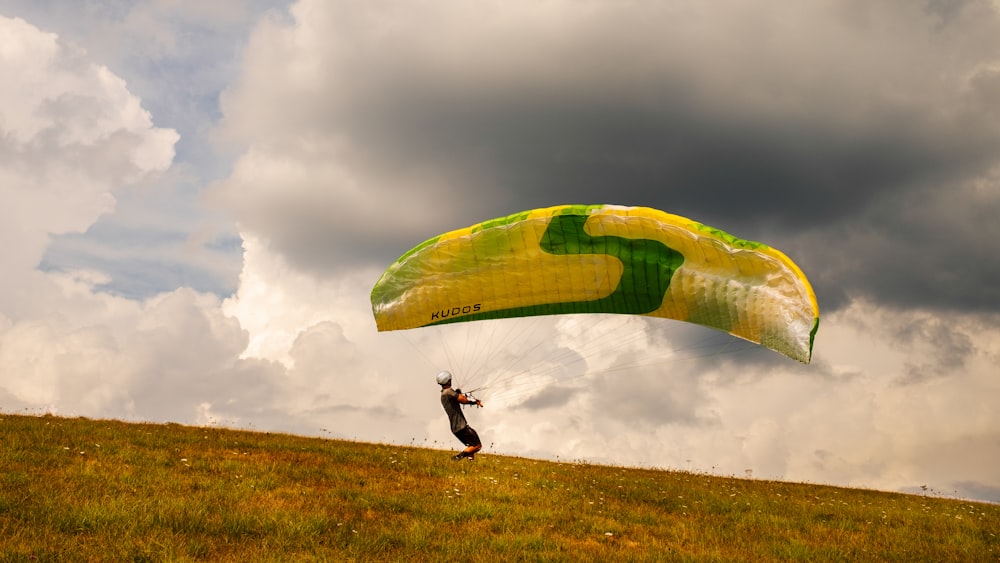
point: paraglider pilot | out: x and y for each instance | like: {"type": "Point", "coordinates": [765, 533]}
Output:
{"type": "Point", "coordinates": [452, 401]}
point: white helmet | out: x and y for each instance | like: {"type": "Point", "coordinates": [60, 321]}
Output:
{"type": "Point", "coordinates": [444, 378]}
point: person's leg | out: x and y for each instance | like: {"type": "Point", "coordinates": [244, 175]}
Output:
{"type": "Point", "coordinates": [463, 436]}
{"type": "Point", "coordinates": [472, 441]}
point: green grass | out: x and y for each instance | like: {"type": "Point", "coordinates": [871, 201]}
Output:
{"type": "Point", "coordinates": [94, 490]}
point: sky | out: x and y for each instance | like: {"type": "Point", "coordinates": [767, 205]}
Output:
{"type": "Point", "coordinates": [197, 198]}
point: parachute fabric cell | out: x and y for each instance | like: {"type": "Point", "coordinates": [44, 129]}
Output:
{"type": "Point", "coordinates": [602, 259]}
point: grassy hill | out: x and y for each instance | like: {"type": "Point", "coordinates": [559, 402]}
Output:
{"type": "Point", "coordinates": [95, 490]}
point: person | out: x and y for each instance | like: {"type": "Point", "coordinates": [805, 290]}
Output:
{"type": "Point", "coordinates": [452, 401]}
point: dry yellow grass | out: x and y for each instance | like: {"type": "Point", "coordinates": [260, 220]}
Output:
{"type": "Point", "coordinates": [86, 490]}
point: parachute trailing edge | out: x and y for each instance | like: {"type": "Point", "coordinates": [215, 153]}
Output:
{"type": "Point", "coordinates": [602, 259]}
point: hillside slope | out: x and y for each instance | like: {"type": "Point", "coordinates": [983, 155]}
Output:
{"type": "Point", "coordinates": [79, 489]}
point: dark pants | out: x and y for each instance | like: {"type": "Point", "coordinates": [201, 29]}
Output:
{"type": "Point", "coordinates": [468, 436]}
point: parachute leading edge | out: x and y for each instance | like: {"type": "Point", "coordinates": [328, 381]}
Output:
{"type": "Point", "coordinates": [602, 259]}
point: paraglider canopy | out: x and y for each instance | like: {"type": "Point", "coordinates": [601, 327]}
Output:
{"type": "Point", "coordinates": [602, 259]}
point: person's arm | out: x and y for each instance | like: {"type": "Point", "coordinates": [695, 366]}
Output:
{"type": "Point", "coordinates": [468, 401]}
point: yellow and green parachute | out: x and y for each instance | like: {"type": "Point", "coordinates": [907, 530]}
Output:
{"type": "Point", "coordinates": [602, 259]}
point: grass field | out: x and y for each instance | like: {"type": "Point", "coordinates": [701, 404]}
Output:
{"type": "Point", "coordinates": [94, 490]}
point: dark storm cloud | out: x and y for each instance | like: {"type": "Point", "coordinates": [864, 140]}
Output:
{"type": "Point", "coordinates": [769, 180]}
{"type": "Point", "coordinates": [675, 155]}
{"type": "Point", "coordinates": [932, 246]}
{"type": "Point", "coordinates": [834, 139]}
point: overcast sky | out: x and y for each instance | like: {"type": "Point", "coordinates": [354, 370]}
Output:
{"type": "Point", "coordinates": [197, 198]}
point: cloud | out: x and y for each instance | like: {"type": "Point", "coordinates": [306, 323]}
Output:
{"type": "Point", "coordinates": [72, 134]}
{"type": "Point", "coordinates": [176, 56]}
{"type": "Point", "coordinates": [382, 133]}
